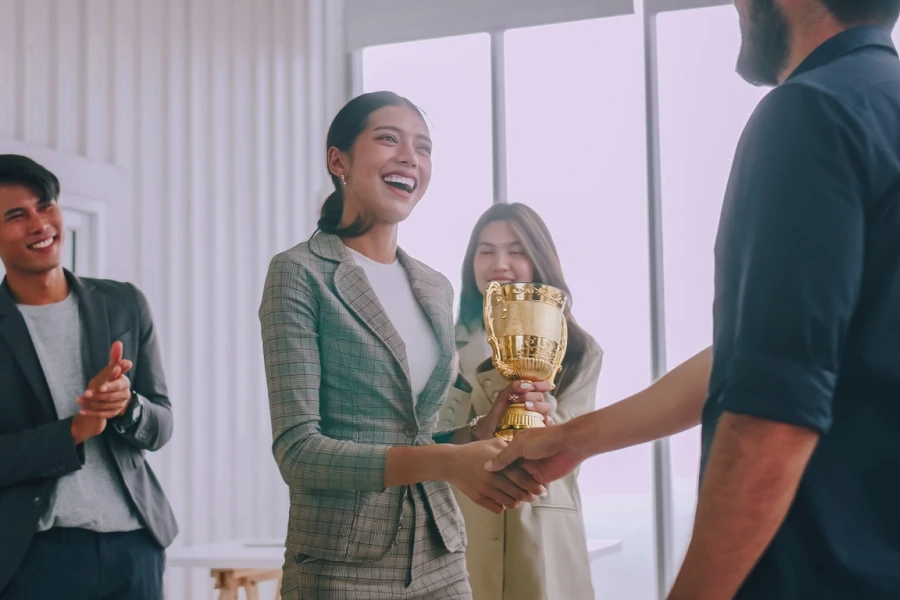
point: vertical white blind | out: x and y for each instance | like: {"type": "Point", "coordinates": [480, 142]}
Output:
{"type": "Point", "coordinates": [216, 110]}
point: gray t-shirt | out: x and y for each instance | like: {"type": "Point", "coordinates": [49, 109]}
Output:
{"type": "Point", "coordinates": [94, 497]}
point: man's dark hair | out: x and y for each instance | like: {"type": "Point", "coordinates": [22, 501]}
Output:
{"type": "Point", "coordinates": [864, 12]}
{"type": "Point", "coordinates": [16, 169]}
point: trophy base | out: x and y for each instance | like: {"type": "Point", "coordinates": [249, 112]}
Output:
{"type": "Point", "coordinates": [517, 418]}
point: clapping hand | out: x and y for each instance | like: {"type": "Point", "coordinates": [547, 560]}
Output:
{"type": "Point", "coordinates": [102, 399]}
{"type": "Point", "coordinates": [109, 392]}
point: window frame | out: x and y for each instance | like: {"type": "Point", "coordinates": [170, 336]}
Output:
{"type": "Point", "coordinates": [379, 22]}
{"type": "Point", "coordinates": [477, 16]}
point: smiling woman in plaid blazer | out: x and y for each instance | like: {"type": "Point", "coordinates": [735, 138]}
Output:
{"type": "Point", "coordinates": [359, 346]}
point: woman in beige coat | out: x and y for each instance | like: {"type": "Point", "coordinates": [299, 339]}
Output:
{"type": "Point", "coordinates": [537, 551]}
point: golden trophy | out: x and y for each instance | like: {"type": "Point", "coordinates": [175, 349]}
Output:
{"type": "Point", "coordinates": [526, 328]}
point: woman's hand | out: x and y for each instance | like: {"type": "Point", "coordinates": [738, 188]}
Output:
{"type": "Point", "coordinates": [493, 491]}
{"type": "Point", "coordinates": [530, 394]}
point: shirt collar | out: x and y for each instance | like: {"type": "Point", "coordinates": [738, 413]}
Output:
{"type": "Point", "coordinates": [844, 43]}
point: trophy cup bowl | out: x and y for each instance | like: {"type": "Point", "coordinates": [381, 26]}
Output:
{"type": "Point", "coordinates": [526, 328]}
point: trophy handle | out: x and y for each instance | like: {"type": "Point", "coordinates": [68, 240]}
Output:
{"type": "Point", "coordinates": [563, 344]}
{"type": "Point", "coordinates": [492, 292]}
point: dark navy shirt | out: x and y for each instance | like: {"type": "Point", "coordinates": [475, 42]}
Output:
{"type": "Point", "coordinates": [807, 313]}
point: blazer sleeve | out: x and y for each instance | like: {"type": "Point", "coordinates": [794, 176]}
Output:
{"type": "Point", "coordinates": [457, 397]}
{"type": "Point", "coordinates": [306, 458]}
{"type": "Point", "coordinates": [153, 429]}
{"type": "Point", "coordinates": [39, 453]}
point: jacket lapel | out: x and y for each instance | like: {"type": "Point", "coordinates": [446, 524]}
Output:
{"type": "Point", "coordinates": [95, 334]}
{"type": "Point", "coordinates": [95, 338]}
{"type": "Point", "coordinates": [433, 299]}
{"type": "Point", "coordinates": [353, 288]}
{"type": "Point", "coordinates": [15, 333]}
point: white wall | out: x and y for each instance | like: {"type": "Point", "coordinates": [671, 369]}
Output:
{"type": "Point", "coordinates": [216, 110]}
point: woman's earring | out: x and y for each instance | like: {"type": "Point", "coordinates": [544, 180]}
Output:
{"type": "Point", "coordinates": [343, 180]}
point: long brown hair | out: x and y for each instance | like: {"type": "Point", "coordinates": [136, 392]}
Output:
{"type": "Point", "coordinates": [536, 241]}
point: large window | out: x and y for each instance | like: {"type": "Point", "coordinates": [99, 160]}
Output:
{"type": "Point", "coordinates": [576, 148]}
{"type": "Point", "coordinates": [704, 106]}
{"type": "Point", "coordinates": [570, 128]}
{"type": "Point", "coordinates": [450, 80]}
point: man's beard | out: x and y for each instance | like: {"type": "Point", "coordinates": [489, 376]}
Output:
{"type": "Point", "coordinates": [764, 44]}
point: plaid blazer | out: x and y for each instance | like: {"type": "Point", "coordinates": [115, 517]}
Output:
{"type": "Point", "coordinates": [340, 395]}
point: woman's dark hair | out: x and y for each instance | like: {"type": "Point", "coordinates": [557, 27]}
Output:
{"type": "Point", "coordinates": [345, 129]}
{"type": "Point", "coordinates": [534, 236]}
{"type": "Point", "coordinates": [16, 169]}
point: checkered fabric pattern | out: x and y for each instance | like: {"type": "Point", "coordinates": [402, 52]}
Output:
{"type": "Point", "coordinates": [340, 396]}
{"type": "Point", "coordinates": [418, 567]}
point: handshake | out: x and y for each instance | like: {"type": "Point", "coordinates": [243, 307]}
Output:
{"type": "Point", "coordinates": [497, 475]}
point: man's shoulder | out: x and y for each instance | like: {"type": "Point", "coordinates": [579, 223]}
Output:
{"type": "Point", "coordinates": [108, 286]}
{"type": "Point", "coordinates": [301, 256]}
{"type": "Point", "coordinates": [848, 91]}
{"type": "Point", "coordinates": [117, 292]}
{"type": "Point", "coordinates": [794, 101]}
{"type": "Point", "coordinates": [793, 117]}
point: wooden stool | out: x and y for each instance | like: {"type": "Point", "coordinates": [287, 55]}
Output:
{"type": "Point", "coordinates": [230, 581]}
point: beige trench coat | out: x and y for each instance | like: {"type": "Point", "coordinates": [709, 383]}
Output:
{"type": "Point", "coordinates": [545, 555]}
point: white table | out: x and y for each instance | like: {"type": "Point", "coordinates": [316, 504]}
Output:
{"type": "Point", "coordinates": [231, 554]}
{"type": "Point", "coordinates": [244, 563]}
{"type": "Point", "coordinates": [602, 547]}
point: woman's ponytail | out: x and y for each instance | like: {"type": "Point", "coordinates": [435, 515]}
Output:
{"type": "Point", "coordinates": [332, 211]}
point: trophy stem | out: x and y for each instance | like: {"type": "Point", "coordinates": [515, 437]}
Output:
{"type": "Point", "coordinates": [517, 418]}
